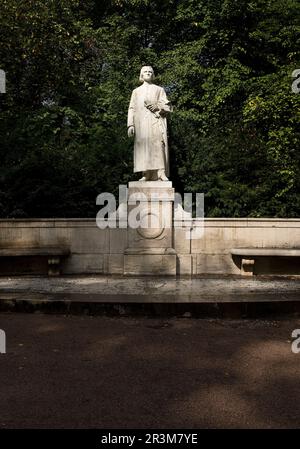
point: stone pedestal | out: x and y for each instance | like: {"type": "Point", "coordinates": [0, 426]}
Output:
{"type": "Point", "coordinates": [150, 229]}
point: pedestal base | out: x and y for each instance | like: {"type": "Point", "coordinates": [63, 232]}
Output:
{"type": "Point", "coordinates": [150, 249]}
{"type": "Point", "coordinates": [150, 264]}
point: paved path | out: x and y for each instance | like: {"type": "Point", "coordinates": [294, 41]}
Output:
{"type": "Point", "coordinates": [124, 289]}
{"type": "Point", "coordinates": [81, 371]}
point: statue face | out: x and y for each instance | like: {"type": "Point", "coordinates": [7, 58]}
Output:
{"type": "Point", "coordinates": [147, 74]}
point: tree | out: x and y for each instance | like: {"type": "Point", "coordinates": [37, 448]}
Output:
{"type": "Point", "coordinates": [226, 65]}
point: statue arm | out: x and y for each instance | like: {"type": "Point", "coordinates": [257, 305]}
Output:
{"type": "Point", "coordinates": [131, 111]}
{"type": "Point", "coordinates": [164, 104]}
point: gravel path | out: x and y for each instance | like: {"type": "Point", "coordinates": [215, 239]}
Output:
{"type": "Point", "coordinates": [83, 372]}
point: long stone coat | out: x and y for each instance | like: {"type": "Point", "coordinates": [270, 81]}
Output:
{"type": "Point", "coordinates": [150, 140]}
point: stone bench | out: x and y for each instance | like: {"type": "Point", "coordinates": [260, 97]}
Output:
{"type": "Point", "coordinates": [249, 255]}
{"type": "Point", "coordinates": [54, 255]}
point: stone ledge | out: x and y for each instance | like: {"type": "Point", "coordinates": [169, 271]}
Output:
{"type": "Point", "coordinates": [149, 251]}
{"type": "Point", "coordinates": [266, 252]}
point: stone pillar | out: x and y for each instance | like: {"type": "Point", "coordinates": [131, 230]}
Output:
{"type": "Point", "coordinates": [150, 229]}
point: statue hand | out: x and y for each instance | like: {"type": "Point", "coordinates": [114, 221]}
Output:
{"type": "Point", "coordinates": [152, 107]}
{"type": "Point", "coordinates": [131, 131]}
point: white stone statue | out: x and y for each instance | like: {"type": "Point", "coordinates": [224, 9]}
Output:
{"type": "Point", "coordinates": [147, 122]}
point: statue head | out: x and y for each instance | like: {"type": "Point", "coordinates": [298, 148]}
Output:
{"type": "Point", "coordinates": [147, 74]}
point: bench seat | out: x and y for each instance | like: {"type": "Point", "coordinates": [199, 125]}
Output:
{"type": "Point", "coordinates": [249, 255]}
{"type": "Point", "coordinates": [53, 253]}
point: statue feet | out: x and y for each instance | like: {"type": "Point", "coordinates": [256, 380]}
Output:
{"type": "Point", "coordinates": [154, 175]}
{"type": "Point", "coordinates": [161, 175]}
{"type": "Point", "coordinates": [149, 175]}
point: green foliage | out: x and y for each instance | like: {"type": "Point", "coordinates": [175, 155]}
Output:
{"type": "Point", "coordinates": [226, 65]}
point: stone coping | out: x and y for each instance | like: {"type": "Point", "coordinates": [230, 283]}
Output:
{"type": "Point", "coordinates": [271, 252]}
{"type": "Point", "coordinates": [91, 222]}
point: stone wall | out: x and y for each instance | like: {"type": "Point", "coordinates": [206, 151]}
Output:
{"type": "Point", "coordinates": [102, 251]}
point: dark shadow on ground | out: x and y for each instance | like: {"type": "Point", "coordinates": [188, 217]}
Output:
{"type": "Point", "coordinates": [83, 372]}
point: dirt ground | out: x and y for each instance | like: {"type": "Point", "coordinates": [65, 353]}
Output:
{"type": "Point", "coordinates": [82, 372]}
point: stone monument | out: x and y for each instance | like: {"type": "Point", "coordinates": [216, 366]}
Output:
{"type": "Point", "coordinates": [150, 246]}
{"type": "Point", "coordinates": [147, 122]}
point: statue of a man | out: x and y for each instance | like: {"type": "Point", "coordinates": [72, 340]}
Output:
{"type": "Point", "coordinates": [147, 122]}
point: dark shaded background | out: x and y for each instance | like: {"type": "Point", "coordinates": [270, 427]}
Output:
{"type": "Point", "coordinates": [226, 66]}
